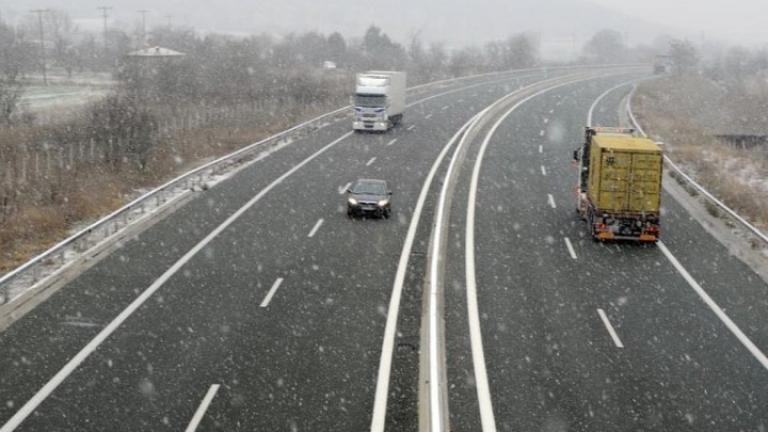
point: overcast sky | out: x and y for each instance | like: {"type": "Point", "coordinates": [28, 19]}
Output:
{"type": "Point", "coordinates": [470, 21]}
{"type": "Point", "coordinates": [736, 20]}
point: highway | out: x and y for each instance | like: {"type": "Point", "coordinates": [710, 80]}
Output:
{"type": "Point", "coordinates": [260, 306]}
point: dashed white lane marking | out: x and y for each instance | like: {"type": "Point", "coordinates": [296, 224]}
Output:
{"type": "Point", "coordinates": [445, 107]}
{"type": "Point", "coordinates": [543, 170]}
{"type": "Point", "coordinates": [611, 331]}
{"type": "Point", "coordinates": [411, 127]}
{"type": "Point", "coordinates": [198, 417]}
{"type": "Point", "coordinates": [84, 353]}
{"type": "Point", "coordinates": [344, 188]}
{"type": "Point", "coordinates": [541, 149]}
{"type": "Point", "coordinates": [428, 116]}
{"type": "Point", "coordinates": [391, 142]}
{"type": "Point", "coordinates": [315, 228]}
{"type": "Point", "coordinates": [271, 293]}
{"type": "Point", "coordinates": [373, 159]}
{"type": "Point", "coordinates": [551, 201]}
{"type": "Point", "coordinates": [546, 120]}
{"type": "Point", "coordinates": [570, 248]}
{"type": "Point", "coordinates": [541, 132]}
{"type": "Point", "coordinates": [753, 349]}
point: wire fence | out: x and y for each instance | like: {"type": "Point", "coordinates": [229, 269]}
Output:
{"type": "Point", "coordinates": [705, 193]}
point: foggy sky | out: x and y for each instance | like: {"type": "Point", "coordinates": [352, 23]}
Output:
{"type": "Point", "coordinates": [564, 22]}
{"type": "Point", "coordinates": [739, 21]}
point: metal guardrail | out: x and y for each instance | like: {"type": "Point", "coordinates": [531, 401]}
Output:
{"type": "Point", "coordinates": [110, 224]}
{"type": "Point", "coordinates": [759, 234]}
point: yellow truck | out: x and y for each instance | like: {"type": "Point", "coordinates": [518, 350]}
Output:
{"type": "Point", "coordinates": [619, 191]}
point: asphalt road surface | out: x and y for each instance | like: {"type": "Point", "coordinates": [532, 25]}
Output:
{"type": "Point", "coordinates": [260, 306]}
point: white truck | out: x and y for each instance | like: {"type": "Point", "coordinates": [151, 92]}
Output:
{"type": "Point", "coordinates": [379, 100]}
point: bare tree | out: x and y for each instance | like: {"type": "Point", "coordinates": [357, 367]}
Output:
{"type": "Point", "coordinates": [12, 62]}
{"type": "Point", "coordinates": [606, 46]}
{"type": "Point", "coordinates": [684, 56]}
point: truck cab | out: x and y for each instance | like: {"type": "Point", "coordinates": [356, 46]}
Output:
{"type": "Point", "coordinates": [379, 100]}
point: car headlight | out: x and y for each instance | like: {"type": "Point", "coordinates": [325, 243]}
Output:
{"type": "Point", "coordinates": [352, 201]}
{"type": "Point", "coordinates": [383, 203]}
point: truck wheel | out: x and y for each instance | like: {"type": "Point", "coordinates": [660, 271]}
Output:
{"type": "Point", "coordinates": [591, 223]}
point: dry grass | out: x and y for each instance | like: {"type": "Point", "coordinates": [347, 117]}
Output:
{"type": "Point", "coordinates": [685, 112]}
{"type": "Point", "coordinates": [47, 211]}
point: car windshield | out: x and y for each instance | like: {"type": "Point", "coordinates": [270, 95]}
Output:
{"type": "Point", "coordinates": [370, 101]}
{"type": "Point", "coordinates": [369, 188]}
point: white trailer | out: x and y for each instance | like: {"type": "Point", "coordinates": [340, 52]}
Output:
{"type": "Point", "coordinates": [379, 100]}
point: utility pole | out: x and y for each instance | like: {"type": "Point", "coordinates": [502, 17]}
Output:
{"type": "Point", "coordinates": [104, 14]}
{"type": "Point", "coordinates": [40, 13]}
{"type": "Point", "coordinates": [143, 13]}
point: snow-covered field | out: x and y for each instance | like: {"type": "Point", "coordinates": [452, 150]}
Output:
{"type": "Point", "coordinates": [63, 93]}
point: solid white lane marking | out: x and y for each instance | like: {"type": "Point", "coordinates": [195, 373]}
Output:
{"type": "Point", "coordinates": [428, 116]}
{"type": "Point", "coordinates": [73, 363]}
{"type": "Point", "coordinates": [344, 188]}
{"type": "Point", "coordinates": [411, 127]}
{"type": "Point", "coordinates": [599, 98]}
{"type": "Point", "coordinates": [391, 142]}
{"type": "Point", "coordinates": [271, 293]}
{"type": "Point", "coordinates": [436, 390]}
{"type": "Point", "coordinates": [198, 417]}
{"type": "Point", "coordinates": [751, 347]}
{"type": "Point", "coordinates": [373, 159]}
{"type": "Point", "coordinates": [543, 170]}
{"type": "Point", "coordinates": [390, 329]}
{"type": "Point", "coordinates": [461, 89]}
{"type": "Point", "coordinates": [551, 201]}
{"type": "Point", "coordinates": [571, 251]}
{"type": "Point", "coordinates": [478, 357]}
{"type": "Point", "coordinates": [315, 228]}
{"type": "Point", "coordinates": [541, 148]}
{"type": "Point", "coordinates": [611, 331]}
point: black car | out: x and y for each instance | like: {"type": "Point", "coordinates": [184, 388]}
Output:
{"type": "Point", "coordinates": [369, 197]}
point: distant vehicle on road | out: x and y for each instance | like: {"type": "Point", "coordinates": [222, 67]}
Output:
{"type": "Point", "coordinates": [619, 192]}
{"type": "Point", "coordinates": [379, 100]}
{"type": "Point", "coordinates": [369, 197]}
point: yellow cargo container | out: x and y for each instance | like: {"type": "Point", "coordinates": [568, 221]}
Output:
{"type": "Point", "coordinates": [625, 174]}
{"type": "Point", "coordinates": [619, 191]}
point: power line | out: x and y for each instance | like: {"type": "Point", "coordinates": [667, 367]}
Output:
{"type": "Point", "coordinates": [40, 13]}
{"type": "Point", "coordinates": [143, 13]}
{"type": "Point", "coordinates": [104, 14]}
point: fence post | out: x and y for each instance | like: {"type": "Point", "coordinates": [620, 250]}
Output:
{"type": "Point", "coordinates": [23, 176]}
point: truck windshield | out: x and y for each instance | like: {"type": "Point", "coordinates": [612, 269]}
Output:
{"type": "Point", "coordinates": [370, 101]}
